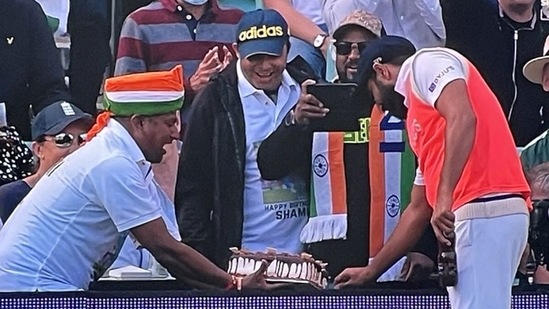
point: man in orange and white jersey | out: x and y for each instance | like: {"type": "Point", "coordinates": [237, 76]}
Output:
{"type": "Point", "coordinates": [469, 179]}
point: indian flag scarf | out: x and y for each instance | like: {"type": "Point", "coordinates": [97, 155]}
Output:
{"type": "Point", "coordinates": [328, 202]}
{"type": "Point", "coordinates": [392, 172]}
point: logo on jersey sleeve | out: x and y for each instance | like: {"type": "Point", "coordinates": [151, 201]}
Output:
{"type": "Point", "coordinates": [439, 77]}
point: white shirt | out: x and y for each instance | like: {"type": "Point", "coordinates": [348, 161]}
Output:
{"type": "Point", "coordinates": [274, 211]}
{"type": "Point", "coordinates": [310, 9]}
{"type": "Point", "coordinates": [132, 253]}
{"type": "Point", "coordinates": [431, 69]}
{"type": "Point", "coordinates": [420, 21]}
{"type": "Point", "coordinates": [69, 228]}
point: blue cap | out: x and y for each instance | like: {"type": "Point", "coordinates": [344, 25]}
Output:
{"type": "Point", "coordinates": [384, 50]}
{"type": "Point", "coordinates": [54, 118]}
{"type": "Point", "coordinates": [261, 32]}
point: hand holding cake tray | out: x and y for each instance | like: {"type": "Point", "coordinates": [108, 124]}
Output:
{"type": "Point", "coordinates": [282, 267]}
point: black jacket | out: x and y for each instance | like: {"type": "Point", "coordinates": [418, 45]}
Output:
{"type": "Point", "coordinates": [30, 65]}
{"type": "Point", "coordinates": [210, 181]}
{"type": "Point", "coordinates": [499, 48]}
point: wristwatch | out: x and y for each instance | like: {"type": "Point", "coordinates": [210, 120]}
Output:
{"type": "Point", "coordinates": [289, 120]}
{"type": "Point", "coordinates": [319, 40]}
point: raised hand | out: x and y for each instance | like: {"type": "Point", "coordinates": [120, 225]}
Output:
{"type": "Point", "coordinates": [308, 105]}
{"type": "Point", "coordinates": [228, 58]}
{"type": "Point", "coordinates": [207, 67]}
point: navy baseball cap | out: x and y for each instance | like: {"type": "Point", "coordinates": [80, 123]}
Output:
{"type": "Point", "coordinates": [55, 117]}
{"type": "Point", "coordinates": [383, 50]}
{"type": "Point", "coordinates": [261, 32]}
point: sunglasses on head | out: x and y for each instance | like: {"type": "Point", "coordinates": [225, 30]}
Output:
{"type": "Point", "coordinates": [345, 48]}
{"type": "Point", "coordinates": [64, 140]}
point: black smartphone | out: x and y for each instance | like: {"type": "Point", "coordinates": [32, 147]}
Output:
{"type": "Point", "coordinates": [345, 108]}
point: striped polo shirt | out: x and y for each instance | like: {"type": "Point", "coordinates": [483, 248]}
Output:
{"type": "Point", "coordinates": [157, 37]}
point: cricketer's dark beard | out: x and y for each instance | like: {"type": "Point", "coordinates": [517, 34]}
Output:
{"type": "Point", "coordinates": [392, 101]}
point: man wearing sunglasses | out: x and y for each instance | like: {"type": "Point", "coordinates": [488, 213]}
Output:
{"type": "Point", "coordinates": [57, 130]}
{"type": "Point", "coordinates": [351, 37]}
{"type": "Point", "coordinates": [276, 159]}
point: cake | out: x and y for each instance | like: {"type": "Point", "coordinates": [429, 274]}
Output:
{"type": "Point", "coordinates": [283, 267]}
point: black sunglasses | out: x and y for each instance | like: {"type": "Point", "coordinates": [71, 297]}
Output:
{"type": "Point", "coordinates": [64, 140]}
{"type": "Point", "coordinates": [345, 48]}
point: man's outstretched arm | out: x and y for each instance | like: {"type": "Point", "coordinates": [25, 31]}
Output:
{"type": "Point", "coordinates": [409, 230]}
{"type": "Point", "coordinates": [182, 261]}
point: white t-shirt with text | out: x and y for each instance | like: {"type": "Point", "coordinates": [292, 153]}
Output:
{"type": "Point", "coordinates": [274, 211]}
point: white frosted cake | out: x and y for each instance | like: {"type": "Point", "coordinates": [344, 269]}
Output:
{"type": "Point", "coordinates": [282, 267]}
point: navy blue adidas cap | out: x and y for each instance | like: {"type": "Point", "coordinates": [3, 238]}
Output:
{"type": "Point", "coordinates": [261, 32]}
{"type": "Point", "coordinates": [55, 117]}
{"type": "Point", "coordinates": [385, 49]}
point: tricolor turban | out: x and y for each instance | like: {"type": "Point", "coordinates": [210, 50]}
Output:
{"type": "Point", "coordinates": [148, 94]}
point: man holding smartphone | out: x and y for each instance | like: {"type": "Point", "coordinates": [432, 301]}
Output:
{"type": "Point", "coordinates": [276, 159]}
{"type": "Point", "coordinates": [337, 162]}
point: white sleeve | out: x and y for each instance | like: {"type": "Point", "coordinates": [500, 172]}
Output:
{"type": "Point", "coordinates": [419, 181]}
{"type": "Point", "coordinates": [334, 11]}
{"type": "Point", "coordinates": [123, 191]}
{"type": "Point", "coordinates": [433, 70]}
{"type": "Point", "coordinates": [431, 12]}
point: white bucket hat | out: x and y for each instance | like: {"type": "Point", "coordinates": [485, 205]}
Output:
{"type": "Point", "coordinates": [533, 69]}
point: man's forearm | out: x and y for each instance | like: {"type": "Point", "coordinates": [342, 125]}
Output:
{"type": "Point", "coordinates": [186, 263]}
{"type": "Point", "coordinates": [407, 233]}
{"type": "Point", "coordinates": [200, 285]}
{"type": "Point", "coordinates": [459, 138]}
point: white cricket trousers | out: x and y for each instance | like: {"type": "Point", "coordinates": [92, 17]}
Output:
{"type": "Point", "coordinates": [488, 254]}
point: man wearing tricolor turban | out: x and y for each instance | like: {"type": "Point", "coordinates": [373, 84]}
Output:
{"type": "Point", "coordinates": [69, 228]}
